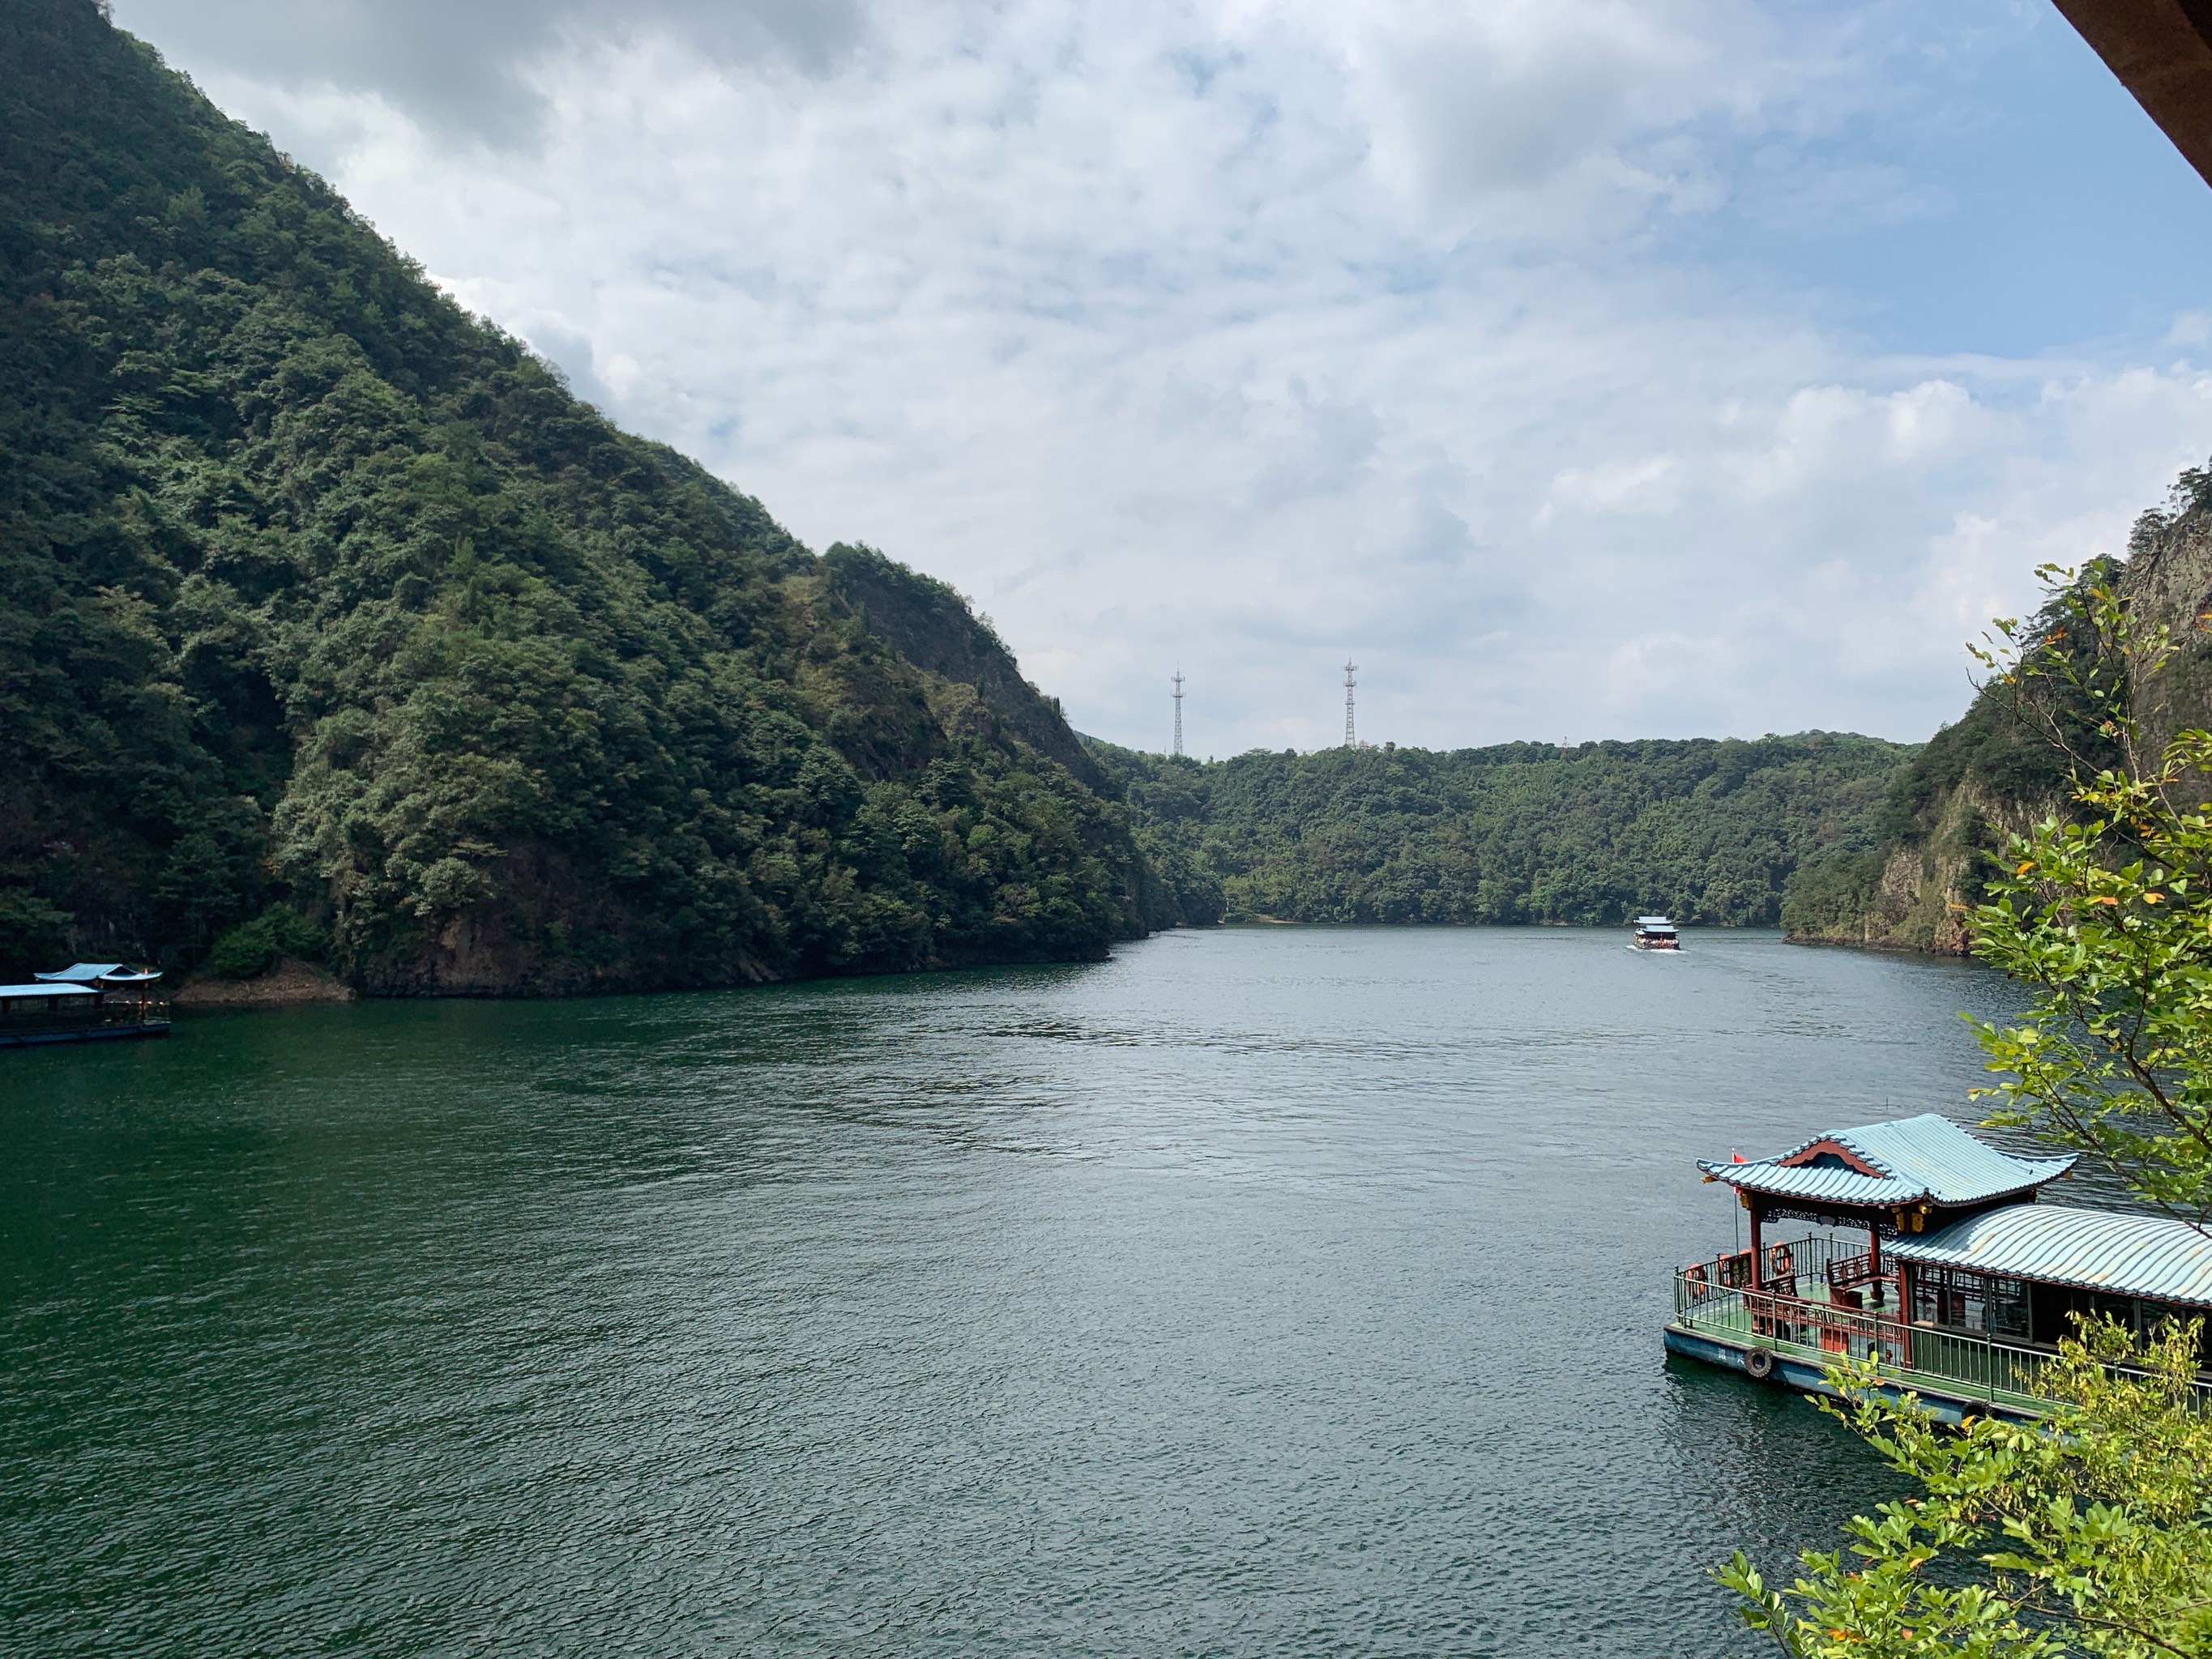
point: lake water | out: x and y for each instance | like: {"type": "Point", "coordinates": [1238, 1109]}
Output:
{"type": "Point", "coordinates": [1263, 1291]}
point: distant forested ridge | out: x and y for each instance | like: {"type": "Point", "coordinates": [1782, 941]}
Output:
{"type": "Point", "coordinates": [1704, 830]}
{"type": "Point", "coordinates": [331, 623]}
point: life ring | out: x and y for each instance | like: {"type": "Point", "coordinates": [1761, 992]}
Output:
{"type": "Point", "coordinates": [1780, 1264]}
{"type": "Point", "coordinates": [1700, 1288]}
{"type": "Point", "coordinates": [1759, 1363]}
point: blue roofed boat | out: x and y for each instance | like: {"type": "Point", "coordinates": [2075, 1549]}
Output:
{"type": "Point", "coordinates": [109, 974]}
{"type": "Point", "coordinates": [1965, 1283]}
{"type": "Point", "coordinates": [85, 1002]}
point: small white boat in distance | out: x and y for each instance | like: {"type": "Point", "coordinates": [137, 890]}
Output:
{"type": "Point", "coordinates": [1656, 933]}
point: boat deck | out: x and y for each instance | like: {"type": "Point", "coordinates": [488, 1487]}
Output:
{"type": "Point", "coordinates": [1794, 1330]}
{"type": "Point", "coordinates": [1954, 1373]}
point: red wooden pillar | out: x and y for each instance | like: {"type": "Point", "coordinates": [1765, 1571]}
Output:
{"type": "Point", "coordinates": [1758, 1251]}
{"type": "Point", "coordinates": [1873, 1260]}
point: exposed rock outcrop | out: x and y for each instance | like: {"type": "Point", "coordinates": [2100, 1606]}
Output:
{"type": "Point", "coordinates": [2000, 768]}
{"type": "Point", "coordinates": [2169, 582]}
{"type": "Point", "coordinates": [1914, 894]}
{"type": "Point", "coordinates": [291, 981]}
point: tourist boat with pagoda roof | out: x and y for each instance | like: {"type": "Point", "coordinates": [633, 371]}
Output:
{"type": "Point", "coordinates": [1966, 1284]}
{"type": "Point", "coordinates": [85, 1002]}
{"type": "Point", "coordinates": [1656, 934]}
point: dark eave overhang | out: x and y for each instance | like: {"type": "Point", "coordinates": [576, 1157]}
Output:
{"type": "Point", "coordinates": [2161, 50]}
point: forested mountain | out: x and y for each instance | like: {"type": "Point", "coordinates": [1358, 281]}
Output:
{"type": "Point", "coordinates": [326, 611]}
{"type": "Point", "coordinates": [1998, 769]}
{"type": "Point", "coordinates": [1704, 830]}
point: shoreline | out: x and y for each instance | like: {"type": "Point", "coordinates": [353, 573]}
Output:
{"type": "Point", "coordinates": [296, 983]}
{"type": "Point", "coordinates": [291, 983]}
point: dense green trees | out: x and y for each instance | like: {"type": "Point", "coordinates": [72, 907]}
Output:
{"type": "Point", "coordinates": [1705, 830]}
{"type": "Point", "coordinates": [315, 590]}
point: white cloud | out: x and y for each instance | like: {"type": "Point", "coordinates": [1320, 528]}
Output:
{"type": "Point", "coordinates": [1242, 335]}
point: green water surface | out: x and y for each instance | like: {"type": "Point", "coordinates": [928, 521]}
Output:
{"type": "Point", "coordinates": [1263, 1291]}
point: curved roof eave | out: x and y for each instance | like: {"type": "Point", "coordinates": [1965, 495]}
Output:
{"type": "Point", "coordinates": [1927, 1159]}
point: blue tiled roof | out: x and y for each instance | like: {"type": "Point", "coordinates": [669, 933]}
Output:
{"type": "Point", "coordinates": [2095, 1249]}
{"type": "Point", "coordinates": [87, 972]}
{"type": "Point", "coordinates": [1927, 1159]}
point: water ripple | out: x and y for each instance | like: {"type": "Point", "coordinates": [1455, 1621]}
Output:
{"type": "Point", "coordinates": [1279, 1291]}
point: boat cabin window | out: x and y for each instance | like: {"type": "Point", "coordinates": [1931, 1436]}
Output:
{"type": "Point", "coordinates": [2056, 1307]}
{"type": "Point", "coordinates": [1987, 1302]}
{"type": "Point", "coordinates": [2018, 1309]}
{"type": "Point", "coordinates": [47, 1007]}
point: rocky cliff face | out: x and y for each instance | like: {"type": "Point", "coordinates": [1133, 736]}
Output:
{"type": "Point", "coordinates": [2169, 580]}
{"type": "Point", "coordinates": [1997, 771]}
{"type": "Point", "coordinates": [929, 624]}
{"type": "Point", "coordinates": [1912, 894]}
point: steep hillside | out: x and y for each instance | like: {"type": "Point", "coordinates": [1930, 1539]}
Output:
{"type": "Point", "coordinates": [317, 593]}
{"type": "Point", "coordinates": [1998, 770]}
{"type": "Point", "coordinates": [1707, 831]}
{"type": "Point", "coordinates": [2169, 580]}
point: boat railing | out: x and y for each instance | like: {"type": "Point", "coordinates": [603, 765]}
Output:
{"type": "Point", "coordinates": [1847, 1272]}
{"type": "Point", "coordinates": [1957, 1363]}
{"type": "Point", "coordinates": [1817, 1258]}
{"type": "Point", "coordinates": [1815, 1254]}
{"type": "Point", "coordinates": [1779, 1313]}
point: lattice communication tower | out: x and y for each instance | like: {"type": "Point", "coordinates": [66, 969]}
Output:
{"type": "Point", "coordinates": [1350, 738]}
{"type": "Point", "coordinates": [1178, 703]}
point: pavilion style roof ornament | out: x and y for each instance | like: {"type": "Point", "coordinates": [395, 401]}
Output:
{"type": "Point", "coordinates": [1916, 1161]}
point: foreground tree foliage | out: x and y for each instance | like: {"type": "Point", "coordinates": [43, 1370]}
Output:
{"type": "Point", "coordinates": [2108, 916]}
{"type": "Point", "coordinates": [316, 590]}
{"type": "Point", "coordinates": [2089, 1533]}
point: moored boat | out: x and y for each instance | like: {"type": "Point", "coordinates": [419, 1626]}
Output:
{"type": "Point", "coordinates": [86, 1002]}
{"type": "Point", "coordinates": [1966, 1284]}
{"type": "Point", "coordinates": [1656, 934]}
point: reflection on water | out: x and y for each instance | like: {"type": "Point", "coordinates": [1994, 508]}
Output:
{"type": "Point", "coordinates": [1274, 1292]}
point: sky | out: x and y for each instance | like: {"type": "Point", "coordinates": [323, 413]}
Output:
{"type": "Point", "coordinates": [1581, 368]}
